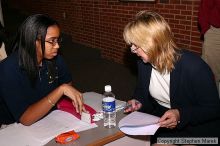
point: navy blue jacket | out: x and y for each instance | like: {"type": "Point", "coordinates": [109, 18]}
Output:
{"type": "Point", "coordinates": [192, 91]}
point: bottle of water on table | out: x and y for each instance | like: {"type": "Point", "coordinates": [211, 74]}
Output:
{"type": "Point", "coordinates": [108, 107]}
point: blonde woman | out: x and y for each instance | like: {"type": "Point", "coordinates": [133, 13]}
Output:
{"type": "Point", "coordinates": [173, 83]}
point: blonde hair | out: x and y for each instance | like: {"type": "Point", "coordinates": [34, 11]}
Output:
{"type": "Point", "coordinates": [153, 35]}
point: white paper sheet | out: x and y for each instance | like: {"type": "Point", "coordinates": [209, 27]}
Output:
{"type": "Point", "coordinates": [12, 136]}
{"type": "Point", "coordinates": [137, 123]}
{"type": "Point", "coordinates": [95, 101]}
{"type": "Point", "coordinates": [42, 131]}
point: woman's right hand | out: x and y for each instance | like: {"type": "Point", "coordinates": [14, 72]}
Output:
{"type": "Point", "coordinates": [132, 105]}
{"type": "Point", "coordinates": [75, 96]}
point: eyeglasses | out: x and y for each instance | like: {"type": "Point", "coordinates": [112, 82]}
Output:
{"type": "Point", "coordinates": [134, 48]}
{"type": "Point", "coordinates": [54, 41]}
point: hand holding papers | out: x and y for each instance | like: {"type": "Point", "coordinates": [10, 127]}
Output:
{"type": "Point", "coordinates": [137, 123]}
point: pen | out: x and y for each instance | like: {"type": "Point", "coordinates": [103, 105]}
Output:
{"type": "Point", "coordinates": [130, 105]}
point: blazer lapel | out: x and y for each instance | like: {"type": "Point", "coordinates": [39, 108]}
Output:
{"type": "Point", "coordinates": [174, 80]}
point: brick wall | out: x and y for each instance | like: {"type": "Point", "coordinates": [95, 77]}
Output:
{"type": "Point", "coordinates": [99, 23]}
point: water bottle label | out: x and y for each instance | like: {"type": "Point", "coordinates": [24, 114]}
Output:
{"type": "Point", "coordinates": [108, 104]}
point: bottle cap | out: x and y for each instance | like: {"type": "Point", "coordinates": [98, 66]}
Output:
{"type": "Point", "coordinates": [108, 88]}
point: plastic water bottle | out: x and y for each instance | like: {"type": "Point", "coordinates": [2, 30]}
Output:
{"type": "Point", "coordinates": [108, 107]}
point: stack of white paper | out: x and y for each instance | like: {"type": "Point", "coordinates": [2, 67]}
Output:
{"type": "Point", "coordinates": [43, 131]}
{"type": "Point", "coordinates": [137, 123]}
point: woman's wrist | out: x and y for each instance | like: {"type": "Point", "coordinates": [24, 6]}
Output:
{"type": "Point", "coordinates": [55, 95]}
{"type": "Point", "coordinates": [62, 89]}
{"type": "Point", "coordinates": [50, 102]}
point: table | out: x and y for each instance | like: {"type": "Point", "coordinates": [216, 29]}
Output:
{"type": "Point", "coordinates": [96, 136]}
{"type": "Point", "coordinates": [18, 134]}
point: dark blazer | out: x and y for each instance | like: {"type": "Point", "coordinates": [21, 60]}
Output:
{"type": "Point", "coordinates": [193, 92]}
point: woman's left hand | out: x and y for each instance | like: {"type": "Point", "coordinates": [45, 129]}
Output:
{"type": "Point", "coordinates": [170, 119]}
{"type": "Point", "coordinates": [75, 96]}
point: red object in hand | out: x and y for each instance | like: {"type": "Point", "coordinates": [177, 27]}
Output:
{"type": "Point", "coordinates": [66, 105]}
{"type": "Point", "coordinates": [67, 137]}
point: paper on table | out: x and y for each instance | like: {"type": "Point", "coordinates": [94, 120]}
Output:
{"type": "Point", "coordinates": [12, 136]}
{"type": "Point", "coordinates": [42, 131]}
{"type": "Point", "coordinates": [55, 123]}
{"type": "Point", "coordinates": [137, 123]}
{"type": "Point", "coordinates": [97, 103]}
